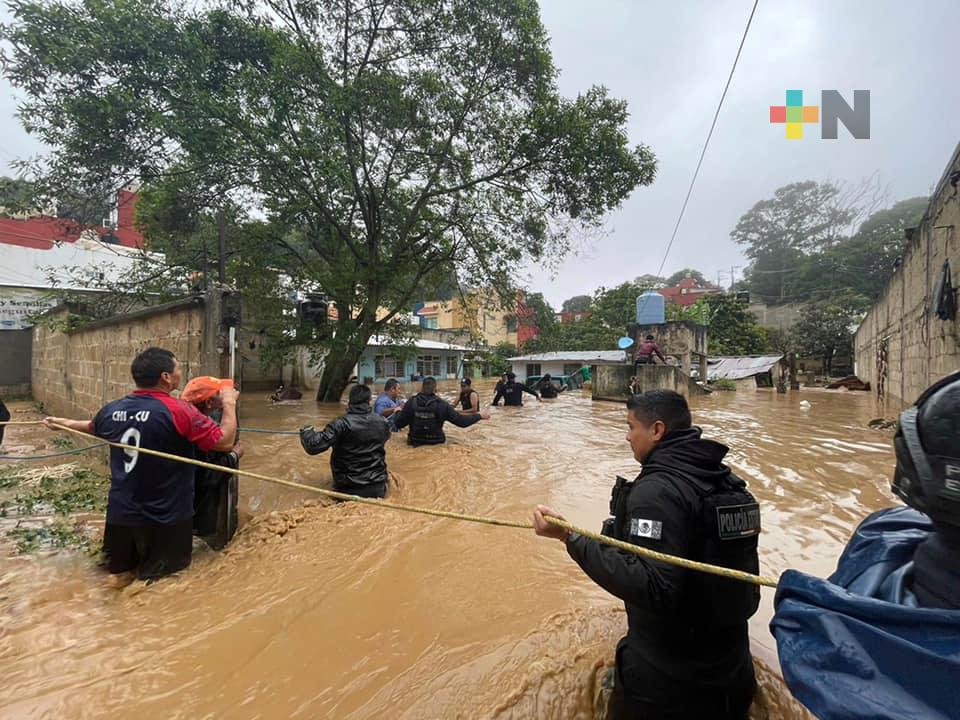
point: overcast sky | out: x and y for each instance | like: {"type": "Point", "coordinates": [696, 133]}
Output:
{"type": "Point", "coordinates": [670, 60]}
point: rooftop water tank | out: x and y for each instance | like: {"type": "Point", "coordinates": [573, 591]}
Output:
{"type": "Point", "coordinates": [650, 308]}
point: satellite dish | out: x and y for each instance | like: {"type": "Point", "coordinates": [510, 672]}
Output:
{"type": "Point", "coordinates": [624, 342]}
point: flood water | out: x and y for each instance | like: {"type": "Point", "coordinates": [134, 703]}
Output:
{"type": "Point", "coordinates": [356, 612]}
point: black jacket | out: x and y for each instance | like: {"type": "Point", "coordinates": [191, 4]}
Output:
{"type": "Point", "coordinates": [357, 439]}
{"type": "Point", "coordinates": [547, 389]}
{"type": "Point", "coordinates": [675, 657]}
{"type": "Point", "coordinates": [426, 414]}
{"type": "Point", "coordinates": [512, 393]}
{"type": "Point", "coordinates": [215, 499]}
{"type": "Point", "coordinates": [4, 417]}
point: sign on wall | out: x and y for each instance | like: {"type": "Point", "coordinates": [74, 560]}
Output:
{"type": "Point", "coordinates": [18, 306]}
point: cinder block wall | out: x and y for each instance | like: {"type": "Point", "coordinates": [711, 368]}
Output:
{"type": "Point", "coordinates": [612, 382]}
{"type": "Point", "coordinates": [76, 372]}
{"type": "Point", "coordinates": [920, 348]}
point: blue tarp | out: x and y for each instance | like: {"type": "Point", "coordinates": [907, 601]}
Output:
{"type": "Point", "coordinates": [856, 646]}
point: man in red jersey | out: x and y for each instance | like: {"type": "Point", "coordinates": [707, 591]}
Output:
{"type": "Point", "coordinates": [149, 524]}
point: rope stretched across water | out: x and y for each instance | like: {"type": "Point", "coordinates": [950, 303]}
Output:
{"type": "Point", "coordinates": [613, 542]}
{"type": "Point", "coordinates": [77, 451]}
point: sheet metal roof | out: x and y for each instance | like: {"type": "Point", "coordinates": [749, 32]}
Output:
{"type": "Point", "coordinates": [574, 356]}
{"type": "Point", "coordinates": [377, 341]}
{"type": "Point", "coordinates": [737, 368]}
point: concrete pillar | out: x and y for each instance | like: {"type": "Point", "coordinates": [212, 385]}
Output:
{"type": "Point", "coordinates": [685, 363]}
{"type": "Point", "coordinates": [703, 368]}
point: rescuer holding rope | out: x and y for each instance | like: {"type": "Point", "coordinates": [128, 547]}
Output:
{"type": "Point", "coordinates": [149, 525]}
{"type": "Point", "coordinates": [686, 655]}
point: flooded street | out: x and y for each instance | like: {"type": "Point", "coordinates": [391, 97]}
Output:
{"type": "Point", "coordinates": [356, 612]}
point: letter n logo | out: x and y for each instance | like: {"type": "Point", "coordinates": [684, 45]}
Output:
{"type": "Point", "coordinates": [856, 119]}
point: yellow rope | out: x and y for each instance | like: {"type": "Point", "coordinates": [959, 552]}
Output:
{"type": "Point", "coordinates": [613, 542]}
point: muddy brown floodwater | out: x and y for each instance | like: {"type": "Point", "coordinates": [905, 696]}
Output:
{"type": "Point", "coordinates": [356, 612]}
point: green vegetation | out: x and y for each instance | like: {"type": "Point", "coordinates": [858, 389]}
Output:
{"type": "Point", "coordinates": [383, 143]}
{"type": "Point", "coordinates": [724, 384]}
{"type": "Point", "coordinates": [42, 501]}
{"type": "Point", "coordinates": [57, 535]}
{"type": "Point", "coordinates": [500, 358]}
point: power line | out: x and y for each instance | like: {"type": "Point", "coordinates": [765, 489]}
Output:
{"type": "Point", "coordinates": [709, 135]}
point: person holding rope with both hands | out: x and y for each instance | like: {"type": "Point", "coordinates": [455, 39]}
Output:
{"type": "Point", "coordinates": [686, 655]}
{"type": "Point", "coordinates": [149, 523]}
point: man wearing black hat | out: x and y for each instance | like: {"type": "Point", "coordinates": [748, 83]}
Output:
{"type": "Point", "coordinates": [469, 399]}
{"type": "Point", "coordinates": [512, 392]}
{"type": "Point", "coordinates": [426, 413]}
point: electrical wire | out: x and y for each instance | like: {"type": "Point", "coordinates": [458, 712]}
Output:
{"type": "Point", "coordinates": [706, 144]}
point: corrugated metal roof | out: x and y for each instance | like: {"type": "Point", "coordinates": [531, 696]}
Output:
{"type": "Point", "coordinates": [572, 356]}
{"type": "Point", "coordinates": [737, 368]}
{"type": "Point", "coordinates": [377, 341]}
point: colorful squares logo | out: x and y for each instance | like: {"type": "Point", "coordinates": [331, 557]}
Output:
{"type": "Point", "coordinates": [794, 114]}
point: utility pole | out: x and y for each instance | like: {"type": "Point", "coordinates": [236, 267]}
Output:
{"type": "Point", "coordinates": [733, 275]}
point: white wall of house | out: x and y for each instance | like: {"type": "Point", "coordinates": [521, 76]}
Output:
{"type": "Point", "coordinates": [554, 368]}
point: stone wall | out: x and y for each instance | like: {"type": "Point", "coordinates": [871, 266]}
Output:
{"type": "Point", "coordinates": [902, 347]}
{"type": "Point", "coordinates": [76, 372]}
{"type": "Point", "coordinates": [779, 317]}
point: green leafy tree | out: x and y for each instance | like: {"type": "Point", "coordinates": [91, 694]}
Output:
{"type": "Point", "coordinates": [824, 330]}
{"type": "Point", "coordinates": [866, 261]}
{"type": "Point", "coordinates": [733, 329]}
{"type": "Point", "coordinates": [578, 304]}
{"type": "Point", "coordinates": [544, 317]}
{"type": "Point", "coordinates": [17, 195]}
{"type": "Point", "coordinates": [778, 232]}
{"type": "Point", "coordinates": [385, 141]}
{"type": "Point", "coordinates": [499, 358]}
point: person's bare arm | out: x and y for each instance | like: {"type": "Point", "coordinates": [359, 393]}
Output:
{"type": "Point", "coordinates": [228, 425]}
{"type": "Point", "coordinates": [84, 426]}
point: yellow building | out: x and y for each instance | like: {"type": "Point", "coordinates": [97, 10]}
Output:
{"type": "Point", "coordinates": [487, 321]}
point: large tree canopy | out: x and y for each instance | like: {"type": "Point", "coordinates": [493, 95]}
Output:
{"type": "Point", "coordinates": [778, 232]}
{"type": "Point", "coordinates": [386, 140]}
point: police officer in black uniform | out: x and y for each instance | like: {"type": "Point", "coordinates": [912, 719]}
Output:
{"type": "Point", "coordinates": [512, 392]}
{"type": "Point", "coordinates": [686, 655]}
{"type": "Point", "coordinates": [927, 478]}
{"type": "Point", "coordinates": [426, 413]}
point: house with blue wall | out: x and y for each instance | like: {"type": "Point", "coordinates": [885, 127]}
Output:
{"type": "Point", "coordinates": [383, 360]}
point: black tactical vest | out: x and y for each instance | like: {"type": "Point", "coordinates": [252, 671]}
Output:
{"type": "Point", "coordinates": [724, 528]}
{"type": "Point", "coordinates": [426, 428]}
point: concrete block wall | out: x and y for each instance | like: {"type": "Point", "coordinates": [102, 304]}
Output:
{"type": "Point", "coordinates": [76, 372]}
{"type": "Point", "coordinates": [612, 382]}
{"type": "Point", "coordinates": [920, 347]}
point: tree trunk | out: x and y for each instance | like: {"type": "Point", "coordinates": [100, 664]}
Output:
{"type": "Point", "coordinates": [339, 364]}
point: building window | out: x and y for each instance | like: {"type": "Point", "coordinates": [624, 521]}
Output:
{"type": "Point", "coordinates": [428, 365]}
{"type": "Point", "coordinates": [511, 324]}
{"type": "Point", "coordinates": [387, 366]}
{"type": "Point", "coordinates": [452, 364]}
{"type": "Point", "coordinates": [431, 323]}
{"type": "Point", "coordinates": [533, 369]}
{"type": "Point", "coordinates": [571, 368]}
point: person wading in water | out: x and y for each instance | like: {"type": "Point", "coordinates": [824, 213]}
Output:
{"type": "Point", "coordinates": [686, 655]}
{"type": "Point", "coordinates": [215, 494]}
{"type": "Point", "coordinates": [149, 524]}
{"type": "Point", "coordinates": [359, 460]}
{"type": "Point", "coordinates": [468, 402]}
{"type": "Point", "coordinates": [512, 392]}
{"type": "Point", "coordinates": [426, 413]}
